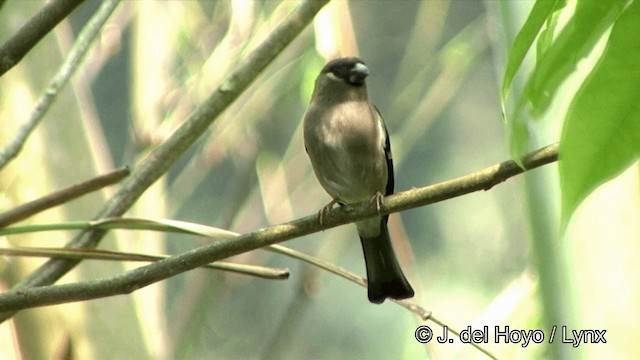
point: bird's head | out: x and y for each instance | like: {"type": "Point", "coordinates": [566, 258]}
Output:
{"type": "Point", "coordinates": [342, 79]}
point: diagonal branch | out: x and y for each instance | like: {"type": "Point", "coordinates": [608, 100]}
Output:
{"type": "Point", "coordinates": [61, 196]}
{"type": "Point", "coordinates": [161, 159]}
{"type": "Point", "coordinates": [84, 254]}
{"type": "Point", "coordinates": [12, 51]}
{"type": "Point", "coordinates": [85, 39]}
{"type": "Point", "coordinates": [130, 281]}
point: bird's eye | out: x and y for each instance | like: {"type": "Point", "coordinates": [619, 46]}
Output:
{"type": "Point", "coordinates": [331, 75]}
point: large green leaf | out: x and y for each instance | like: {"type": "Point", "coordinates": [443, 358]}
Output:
{"type": "Point", "coordinates": [540, 12]}
{"type": "Point", "coordinates": [601, 134]}
{"type": "Point", "coordinates": [576, 40]}
{"type": "Point", "coordinates": [555, 60]}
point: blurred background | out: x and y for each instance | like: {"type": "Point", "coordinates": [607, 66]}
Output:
{"type": "Point", "coordinates": [436, 70]}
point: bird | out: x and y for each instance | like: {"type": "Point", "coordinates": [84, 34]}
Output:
{"type": "Point", "coordinates": [350, 152]}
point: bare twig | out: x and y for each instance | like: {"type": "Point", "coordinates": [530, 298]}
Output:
{"type": "Point", "coordinates": [86, 36]}
{"type": "Point", "coordinates": [161, 159]}
{"type": "Point", "coordinates": [130, 281]}
{"type": "Point", "coordinates": [344, 273]}
{"type": "Point", "coordinates": [61, 196]}
{"type": "Point", "coordinates": [12, 51]}
{"type": "Point", "coordinates": [95, 254]}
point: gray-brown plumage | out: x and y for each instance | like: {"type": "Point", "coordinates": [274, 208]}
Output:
{"type": "Point", "coordinates": [349, 148]}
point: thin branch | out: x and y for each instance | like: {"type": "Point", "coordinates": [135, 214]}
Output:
{"type": "Point", "coordinates": [424, 314]}
{"type": "Point", "coordinates": [12, 51]}
{"type": "Point", "coordinates": [161, 159]}
{"type": "Point", "coordinates": [66, 253]}
{"type": "Point", "coordinates": [23, 298]}
{"type": "Point", "coordinates": [481, 180]}
{"type": "Point", "coordinates": [346, 274]}
{"type": "Point", "coordinates": [61, 196]}
{"type": "Point", "coordinates": [77, 53]}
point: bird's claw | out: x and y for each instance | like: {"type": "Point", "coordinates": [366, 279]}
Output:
{"type": "Point", "coordinates": [325, 210]}
{"type": "Point", "coordinates": [378, 199]}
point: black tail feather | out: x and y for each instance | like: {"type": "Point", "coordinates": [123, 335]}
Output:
{"type": "Point", "coordinates": [384, 275]}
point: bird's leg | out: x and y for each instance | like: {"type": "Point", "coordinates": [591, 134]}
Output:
{"type": "Point", "coordinates": [378, 198]}
{"type": "Point", "coordinates": [325, 210]}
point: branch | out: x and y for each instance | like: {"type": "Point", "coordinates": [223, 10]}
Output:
{"type": "Point", "coordinates": [66, 253]}
{"type": "Point", "coordinates": [130, 281]}
{"type": "Point", "coordinates": [61, 196]}
{"type": "Point", "coordinates": [12, 51]}
{"type": "Point", "coordinates": [77, 53]}
{"type": "Point", "coordinates": [161, 159]}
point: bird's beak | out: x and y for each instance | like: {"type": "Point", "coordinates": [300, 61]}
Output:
{"type": "Point", "coordinates": [358, 74]}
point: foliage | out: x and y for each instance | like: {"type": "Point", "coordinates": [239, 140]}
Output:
{"type": "Point", "coordinates": [477, 259]}
{"type": "Point", "coordinates": [601, 132]}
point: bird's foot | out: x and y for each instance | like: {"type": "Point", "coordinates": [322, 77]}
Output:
{"type": "Point", "coordinates": [324, 211]}
{"type": "Point", "coordinates": [378, 199]}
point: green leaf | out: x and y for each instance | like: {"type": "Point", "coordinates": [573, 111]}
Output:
{"type": "Point", "coordinates": [518, 139]}
{"type": "Point", "coordinates": [590, 20]}
{"type": "Point", "coordinates": [539, 14]}
{"type": "Point", "coordinates": [601, 134]}
{"type": "Point", "coordinates": [546, 35]}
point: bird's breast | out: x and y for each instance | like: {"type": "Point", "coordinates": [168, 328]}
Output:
{"type": "Point", "coordinates": [345, 151]}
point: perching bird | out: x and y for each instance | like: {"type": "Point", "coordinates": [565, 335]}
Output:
{"type": "Point", "coordinates": [349, 148]}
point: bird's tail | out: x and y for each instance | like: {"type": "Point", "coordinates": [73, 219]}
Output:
{"type": "Point", "coordinates": [384, 274]}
